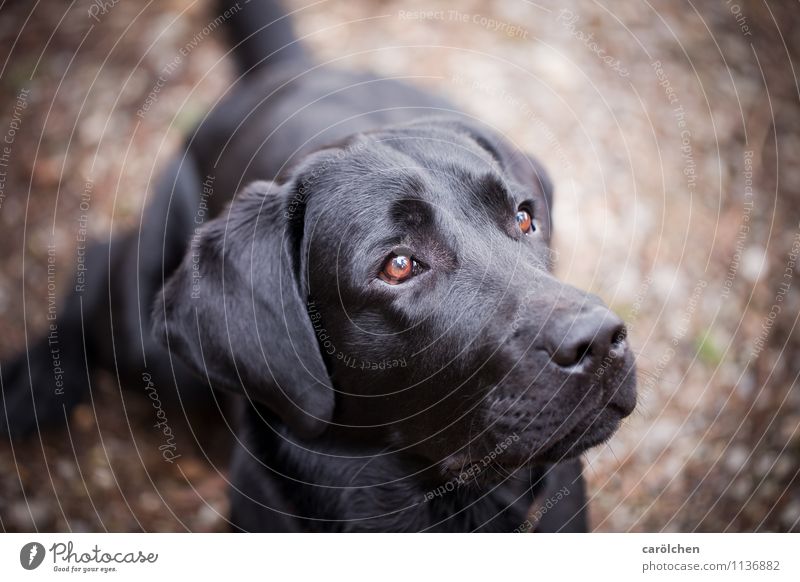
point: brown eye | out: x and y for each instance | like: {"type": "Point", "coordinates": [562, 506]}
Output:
{"type": "Point", "coordinates": [397, 269]}
{"type": "Point", "coordinates": [525, 221]}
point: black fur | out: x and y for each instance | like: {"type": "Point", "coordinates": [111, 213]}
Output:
{"type": "Point", "coordinates": [450, 402]}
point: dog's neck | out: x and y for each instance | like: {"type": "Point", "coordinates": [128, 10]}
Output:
{"type": "Point", "coordinates": [332, 484]}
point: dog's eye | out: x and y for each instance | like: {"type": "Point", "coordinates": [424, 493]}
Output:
{"type": "Point", "coordinates": [525, 221]}
{"type": "Point", "coordinates": [398, 268]}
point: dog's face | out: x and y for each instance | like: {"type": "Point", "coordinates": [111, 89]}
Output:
{"type": "Point", "coordinates": [421, 263]}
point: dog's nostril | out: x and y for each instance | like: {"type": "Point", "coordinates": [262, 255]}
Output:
{"type": "Point", "coordinates": [583, 351]}
{"type": "Point", "coordinates": [570, 353]}
{"type": "Point", "coordinates": [619, 336]}
{"type": "Point", "coordinates": [589, 339]}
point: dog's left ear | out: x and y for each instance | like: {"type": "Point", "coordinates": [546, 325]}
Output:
{"type": "Point", "coordinates": [235, 310]}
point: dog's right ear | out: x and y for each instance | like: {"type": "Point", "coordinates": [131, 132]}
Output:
{"type": "Point", "coordinates": [235, 310]}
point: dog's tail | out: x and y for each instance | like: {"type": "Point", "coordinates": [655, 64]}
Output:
{"type": "Point", "coordinates": [260, 32]}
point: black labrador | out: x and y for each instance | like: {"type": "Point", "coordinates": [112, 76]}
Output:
{"type": "Point", "coordinates": [369, 270]}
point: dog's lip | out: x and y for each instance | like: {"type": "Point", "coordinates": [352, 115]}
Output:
{"type": "Point", "coordinates": [623, 399]}
{"type": "Point", "coordinates": [622, 409]}
{"type": "Point", "coordinates": [607, 419]}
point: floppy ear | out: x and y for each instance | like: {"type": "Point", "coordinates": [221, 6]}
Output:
{"type": "Point", "coordinates": [234, 311]}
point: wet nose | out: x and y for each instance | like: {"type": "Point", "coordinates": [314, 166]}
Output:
{"type": "Point", "coordinates": [588, 340]}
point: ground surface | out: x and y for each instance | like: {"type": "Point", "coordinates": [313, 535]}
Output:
{"type": "Point", "coordinates": [652, 164]}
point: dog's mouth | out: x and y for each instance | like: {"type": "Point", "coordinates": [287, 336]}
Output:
{"type": "Point", "coordinates": [593, 430]}
{"type": "Point", "coordinates": [528, 427]}
{"type": "Point", "coordinates": [581, 429]}
{"type": "Point", "coordinates": [595, 426]}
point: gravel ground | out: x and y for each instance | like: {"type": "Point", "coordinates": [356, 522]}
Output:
{"type": "Point", "coordinates": [670, 131]}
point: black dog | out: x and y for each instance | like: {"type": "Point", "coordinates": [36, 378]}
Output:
{"type": "Point", "coordinates": [375, 282]}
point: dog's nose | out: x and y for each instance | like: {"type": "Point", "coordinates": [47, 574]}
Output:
{"type": "Point", "coordinates": [590, 338]}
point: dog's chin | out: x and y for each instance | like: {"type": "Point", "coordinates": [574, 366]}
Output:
{"type": "Point", "coordinates": [595, 430]}
{"type": "Point", "coordinates": [502, 455]}
{"type": "Point", "coordinates": [522, 458]}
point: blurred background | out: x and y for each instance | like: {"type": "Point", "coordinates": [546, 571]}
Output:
{"type": "Point", "coordinates": [671, 131]}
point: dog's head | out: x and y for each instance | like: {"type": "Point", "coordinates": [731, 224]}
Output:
{"type": "Point", "coordinates": [400, 282]}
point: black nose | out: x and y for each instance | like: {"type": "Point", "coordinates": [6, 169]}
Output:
{"type": "Point", "coordinates": [587, 340]}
